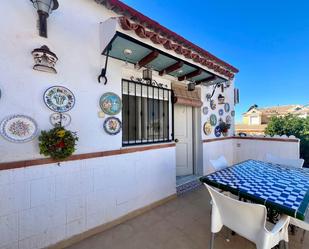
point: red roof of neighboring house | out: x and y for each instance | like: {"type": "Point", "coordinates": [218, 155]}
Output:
{"type": "Point", "coordinates": [136, 16]}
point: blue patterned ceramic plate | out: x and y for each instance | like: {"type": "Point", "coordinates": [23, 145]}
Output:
{"type": "Point", "coordinates": [59, 99]}
{"type": "Point", "coordinates": [110, 103]}
{"type": "Point", "coordinates": [18, 128]}
{"type": "Point", "coordinates": [213, 105]}
{"type": "Point", "coordinates": [205, 110]}
{"type": "Point", "coordinates": [232, 113]}
{"type": "Point", "coordinates": [217, 131]}
{"type": "Point", "coordinates": [227, 107]}
{"type": "Point", "coordinates": [213, 119]}
{"type": "Point", "coordinates": [221, 112]}
{"type": "Point", "coordinates": [112, 125]}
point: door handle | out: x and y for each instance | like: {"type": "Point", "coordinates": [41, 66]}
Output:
{"type": "Point", "coordinates": [176, 140]}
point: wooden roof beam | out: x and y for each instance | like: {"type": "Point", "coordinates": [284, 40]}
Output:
{"type": "Point", "coordinates": [171, 68]}
{"type": "Point", "coordinates": [147, 59]}
{"type": "Point", "coordinates": [190, 75]}
{"type": "Point", "coordinates": [206, 80]}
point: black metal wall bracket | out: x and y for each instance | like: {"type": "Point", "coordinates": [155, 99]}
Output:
{"type": "Point", "coordinates": [209, 96]}
{"type": "Point", "coordinates": [102, 77]}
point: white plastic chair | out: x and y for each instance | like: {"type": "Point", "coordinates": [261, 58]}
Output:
{"type": "Point", "coordinates": [296, 163]}
{"type": "Point", "coordinates": [301, 224]}
{"type": "Point", "coordinates": [246, 219]}
{"type": "Point", "coordinates": [219, 163]}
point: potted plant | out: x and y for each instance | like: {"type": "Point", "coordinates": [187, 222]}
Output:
{"type": "Point", "coordinates": [224, 128]}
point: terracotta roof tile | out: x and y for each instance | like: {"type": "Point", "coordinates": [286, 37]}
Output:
{"type": "Point", "coordinates": [146, 22]}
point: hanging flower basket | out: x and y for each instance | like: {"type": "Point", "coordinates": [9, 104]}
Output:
{"type": "Point", "coordinates": [57, 143]}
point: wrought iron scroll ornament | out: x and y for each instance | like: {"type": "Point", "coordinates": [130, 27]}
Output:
{"type": "Point", "coordinates": [217, 85]}
{"type": "Point", "coordinates": [148, 82]}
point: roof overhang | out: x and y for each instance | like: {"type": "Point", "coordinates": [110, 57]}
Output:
{"type": "Point", "coordinates": [159, 56]}
{"type": "Point", "coordinates": [145, 26]}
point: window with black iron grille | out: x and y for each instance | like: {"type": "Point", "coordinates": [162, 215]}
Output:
{"type": "Point", "coordinates": [145, 113]}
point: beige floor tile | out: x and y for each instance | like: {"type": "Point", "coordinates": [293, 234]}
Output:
{"type": "Point", "coordinates": [183, 223]}
{"type": "Point", "coordinates": [182, 242]}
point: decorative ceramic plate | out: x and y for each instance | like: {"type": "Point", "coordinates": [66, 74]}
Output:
{"type": "Point", "coordinates": [221, 112]}
{"type": "Point", "coordinates": [228, 119]}
{"type": "Point", "coordinates": [18, 128]}
{"type": "Point", "coordinates": [233, 113]}
{"type": "Point", "coordinates": [213, 119]}
{"type": "Point", "coordinates": [205, 110]}
{"type": "Point", "coordinates": [207, 128]}
{"type": "Point", "coordinates": [227, 107]}
{"type": "Point", "coordinates": [112, 125]}
{"type": "Point", "coordinates": [59, 99]}
{"type": "Point", "coordinates": [110, 103]}
{"type": "Point", "coordinates": [213, 105]}
{"type": "Point", "coordinates": [217, 131]}
{"type": "Point", "coordinates": [56, 118]}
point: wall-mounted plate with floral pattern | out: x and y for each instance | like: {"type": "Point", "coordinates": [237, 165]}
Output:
{"type": "Point", "coordinates": [18, 128]}
{"type": "Point", "coordinates": [207, 128]}
{"type": "Point", "coordinates": [59, 99]}
{"type": "Point", "coordinates": [233, 113]}
{"type": "Point", "coordinates": [213, 105]}
{"type": "Point", "coordinates": [227, 107]}
{"type": "Point", "coordinates": [213, 119]}
{"type": "Point", "coordinates": [221, 112]}
{"type": "Point", "coordinates": [205, 110]}
{"type": "Point", "coordinates": [110, 103]}
{"type": "Point", "coordinates": [112, 125]}
{"type": "Point", "coordinates": [56, 118]}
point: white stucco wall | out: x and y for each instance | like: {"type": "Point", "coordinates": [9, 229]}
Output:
{"type": "Point", "coordinates": [257, 149]}
{"type": "Point", "coordinates": [42, 205]}
{"type": "Point", "coordinates": [236, 150]}
{"type": "Point", "coordinates": [229, 98]}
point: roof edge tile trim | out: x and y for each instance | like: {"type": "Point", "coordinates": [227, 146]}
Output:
{"type": "Point", "coordinates": [142, 32]}
{"type": "Point", "coordinates": [186, 46]}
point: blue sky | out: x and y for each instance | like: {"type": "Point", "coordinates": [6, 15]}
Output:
{"type": "Point", "coordinates": [268, 41]}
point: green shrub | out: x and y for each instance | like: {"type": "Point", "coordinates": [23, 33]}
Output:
{"type": "Point", "coordinates": [292, 125]}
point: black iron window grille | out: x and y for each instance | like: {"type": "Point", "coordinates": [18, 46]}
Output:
{"type": "Point", "coordinates": [145, 113]}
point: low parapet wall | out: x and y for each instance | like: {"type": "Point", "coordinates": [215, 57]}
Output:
{"type": "Point", "coordinates": [236, 148]}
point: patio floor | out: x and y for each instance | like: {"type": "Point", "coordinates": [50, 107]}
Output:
{"type": "Point", "coordinates": [182, 223]}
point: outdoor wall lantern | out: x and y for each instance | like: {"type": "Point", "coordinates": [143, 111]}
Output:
{"type": "Point", "coordinates": [221, 99]}
{"type": "Point", "coordinates": [147, 74]}
{"type": "Point", "coordinates": [44, 60]}
{"type": "Point", "coordinates": [44, 8]}
{"type": "Point", "coordinates": [191, 86]}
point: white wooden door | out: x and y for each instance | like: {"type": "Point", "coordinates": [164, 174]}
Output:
{"type": "Point", "coordinates": [183, 136]}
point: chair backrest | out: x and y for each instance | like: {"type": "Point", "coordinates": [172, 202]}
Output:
{"type": "Point", "coordinates": [246, 219]}
{"type": "Point", "coordinates": [296, 163]}
{"type": "Point", "coordinates": [219, 163]}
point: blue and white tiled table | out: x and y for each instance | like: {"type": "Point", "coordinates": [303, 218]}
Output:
{"type": "Point", "coordinates": [284, 189]}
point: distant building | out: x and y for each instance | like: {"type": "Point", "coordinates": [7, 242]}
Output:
{"type": "Point", "coordinates": [255, 120]}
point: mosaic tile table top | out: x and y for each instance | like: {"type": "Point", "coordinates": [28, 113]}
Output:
{"type": "Point", "coordinates": [284, 189]}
